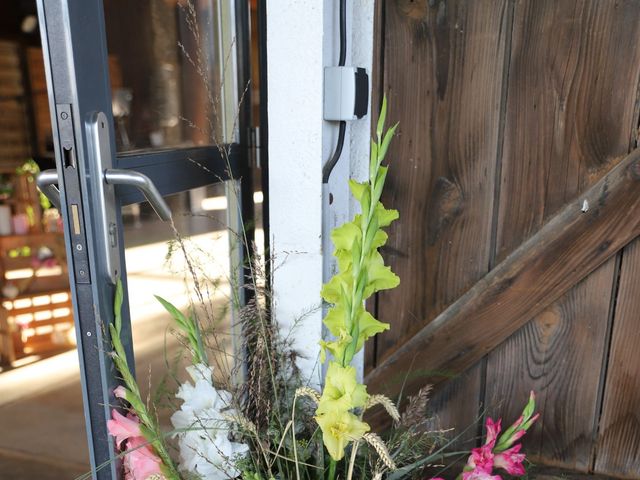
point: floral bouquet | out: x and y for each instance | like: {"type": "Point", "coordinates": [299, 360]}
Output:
{"type": "Point", "coordinates": [264, 421]}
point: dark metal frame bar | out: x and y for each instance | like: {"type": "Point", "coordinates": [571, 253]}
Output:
{"type": "Point", "coordinates": [174, 171]}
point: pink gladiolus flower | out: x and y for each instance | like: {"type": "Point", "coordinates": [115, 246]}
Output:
{"type": "Point", "coordinates": [123, 427]}
{"type": "Point", "coordinates": [493, 429]}
{"type": "Point", "coordinates": [481, 459]}
{"type": "Point", "coordinates": [511, 461]}
{"type": "Point", "coordinates": [140, 462]}
{"type": "Point", "coordinates": [480, 475]}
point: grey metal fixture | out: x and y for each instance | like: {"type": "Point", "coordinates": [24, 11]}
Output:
{"type": "Point", "coordinates": [47, 182]}
{"type": "Point", "coordinates": [114, 176]}
{"type": "Point", "coordinates": [107, 225]}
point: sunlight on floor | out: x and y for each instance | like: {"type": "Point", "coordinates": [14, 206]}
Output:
{"type": "Point", "coordinates": [43, 397]}
{"type": "Point", "coordinates": [149, 273]}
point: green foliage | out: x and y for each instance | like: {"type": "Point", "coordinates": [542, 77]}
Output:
{"type": "Point", "coordinates": [148, 424]}
{"type": "Point", "coordinates": [362, 271]}
{"type": "Point", "coordinates": [188, 326]}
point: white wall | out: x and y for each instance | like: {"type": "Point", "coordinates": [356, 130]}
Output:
{"type": "Point", "coordinates": [301, 40]}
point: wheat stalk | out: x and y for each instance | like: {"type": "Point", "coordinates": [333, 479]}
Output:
{"type": "Point", "coordinates": [378, 445]}
{"type": "Point", "coordinates": [386, 403]}
{"type": "Point", "coordinates": [308, 392]}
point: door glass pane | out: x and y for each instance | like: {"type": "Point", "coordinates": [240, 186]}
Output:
{"type": "Point", "coordinates": [199, 281]}
{"type": "Point", "coordinates": [172, 68]}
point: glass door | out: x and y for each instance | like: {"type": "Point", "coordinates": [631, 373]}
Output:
{"type": "Point", "coordinates": [147, 99]}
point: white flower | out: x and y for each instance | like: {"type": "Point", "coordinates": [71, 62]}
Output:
{"type": "Point", "coordinates": [205, 448]}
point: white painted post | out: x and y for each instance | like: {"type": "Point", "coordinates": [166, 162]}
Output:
{"type": "Point", "coordinates": [301, 40]}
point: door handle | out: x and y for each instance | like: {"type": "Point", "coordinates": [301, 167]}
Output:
{"type": "Point", "coordinates": [115, 176]}
{"type": "Point", "coordinates": [104, 187]}
{"type": "Point", "coordinates": [47, 182]}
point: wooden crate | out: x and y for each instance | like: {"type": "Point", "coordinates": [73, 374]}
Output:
{"type": "Point", "coordinates": [40, 318]}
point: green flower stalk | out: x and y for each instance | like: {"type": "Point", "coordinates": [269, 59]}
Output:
{"type": "Point", "coordinates": [131, 393]}
{"type": "Point", "coordinates": [362, 272]}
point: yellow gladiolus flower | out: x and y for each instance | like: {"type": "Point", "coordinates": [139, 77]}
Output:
{"type": "Point", "coordinates": [338, 429]}
{"type": "Point", "coordinates": [342, 391]}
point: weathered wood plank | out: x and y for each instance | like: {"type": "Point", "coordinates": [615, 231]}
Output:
{"type": "Point", "coordinates": [544, 473]}
{"type": "Point", "coordinates": [442, 163]}
{"type": "Point", "coordinates": [534, 472]}
{"type": "Point", "coordinates": [618, 445]}
{"type": "Point", "coordinates": [570, 113]}
{"type": "Point", "coordinates": [559, 354]}
{"type": "Point", "coordinates": [443, 73]}
{"type": "Point", "coordinates": [568, 248]}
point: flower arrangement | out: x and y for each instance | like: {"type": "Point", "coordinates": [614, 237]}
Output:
{"type": "Point", "coordinates": [273, 425]}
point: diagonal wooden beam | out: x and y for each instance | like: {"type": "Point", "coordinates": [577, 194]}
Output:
{"type": "Point", "coordinates": [563, 252]}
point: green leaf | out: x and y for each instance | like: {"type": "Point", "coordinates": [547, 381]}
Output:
{"type": "Point", "coordinates": [117, 306]}
{"type": "Point", "coordinates": [382, 118]}
{"type": "Point", "coordinates": [379, 184]}
{"type": "Point", "coordinates": [373, 161]}
{"type": "Point", "coordinates": [530, 407]}
{"type": "Point", "coordinates": [365, 204]}
{"type": "Point", "coordinates": [345, 297]}
{"type": "Point", "coordinates": [355, 257]}
{"type": "Point", "coordinates": [371, 233]}
{"type": "Point", "coordinates": [176, 314]}
{"type": "Point", "coordinates": [382, 152]}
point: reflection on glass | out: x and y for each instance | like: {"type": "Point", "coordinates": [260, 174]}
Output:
{"type": "Point", "coordinates": [172, 81]}
{"type": "Point", "coordinates": [157, 265]}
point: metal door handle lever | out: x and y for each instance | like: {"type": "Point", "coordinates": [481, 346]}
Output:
{"type": "Point", "coordinates": [47, 182]}
{"type": "Point", "coordinates": [114, 176]}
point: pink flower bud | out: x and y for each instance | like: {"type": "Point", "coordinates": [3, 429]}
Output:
{"type": "Point", "coordinates": [120, 392]}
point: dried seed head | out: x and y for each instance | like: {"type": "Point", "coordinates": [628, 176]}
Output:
{"type": "Point", "coordinates": [378, 445]}
{"type": "Point", "coordinates": [386, 403]}
{"type": "Point", "coordinates": [308, 392]}
{"type": "Point", "coordinates": [243, 422]}
{"type": "Point", "coordinates": [416, 411]}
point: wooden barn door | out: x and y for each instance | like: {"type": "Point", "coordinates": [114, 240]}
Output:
{"type": "Point", "coordinates": [518, 185]}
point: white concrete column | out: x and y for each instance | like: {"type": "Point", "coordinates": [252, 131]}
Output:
{"type": "Point", "coordinates": [301, 40]}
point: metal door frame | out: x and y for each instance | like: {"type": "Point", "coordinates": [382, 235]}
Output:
{"type": "Point", "coordinates": [76, 64]}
